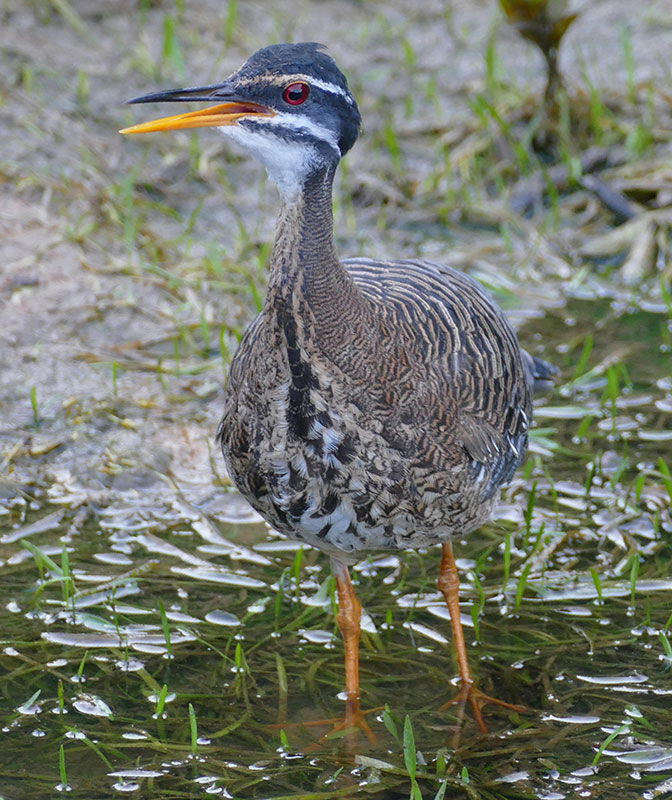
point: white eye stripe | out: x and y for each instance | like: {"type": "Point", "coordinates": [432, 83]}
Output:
{"type": "Point", "coordinates": [298, 122]}
{"type": "Point", "coordinates": [332, 88]}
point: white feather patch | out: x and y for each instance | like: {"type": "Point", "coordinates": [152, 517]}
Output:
{"type": "Point", "coordinates": [298, 122]}
{"type": "Point", "coordinates": [287, 163]}
{"type": "Point", "coordinates": [332, 88]}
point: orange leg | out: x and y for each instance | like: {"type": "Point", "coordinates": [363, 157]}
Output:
{"type": "Point", "coordinates": [349, 619]}
{"type": "Point", "coordinates": [449, 584]}
{"type": "Point", "coordinates": [349, 623]}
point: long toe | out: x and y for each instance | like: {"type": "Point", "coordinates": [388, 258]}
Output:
{"type": "Point", "coordinates": [352, 726]}
{"type": "Point", "coordinates": [349, 727]}
{"type": "Point", "coordinates": [470, 693]}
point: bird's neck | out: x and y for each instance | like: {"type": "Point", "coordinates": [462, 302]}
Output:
{"type": "Point", "coordinates": [311, 295]}
{"type": "Point", "coordinates": [304, 264]}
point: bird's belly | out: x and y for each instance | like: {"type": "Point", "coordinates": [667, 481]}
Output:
{"type": "Point", "coordinates": [342, 487]}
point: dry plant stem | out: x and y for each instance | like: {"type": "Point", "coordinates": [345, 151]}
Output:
{"type": "Point", "coordinates": [349, 623]}
{"type": "Point", "coordinates": [449, 585]}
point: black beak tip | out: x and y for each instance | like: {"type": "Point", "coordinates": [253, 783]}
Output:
{"type": "Point", "coordinates": [149, 98]}
{"type": "Point", "coordinates": [223, 91]}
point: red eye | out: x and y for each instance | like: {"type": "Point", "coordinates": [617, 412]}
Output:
{"type": "Point", "coordinates": [296, 93]}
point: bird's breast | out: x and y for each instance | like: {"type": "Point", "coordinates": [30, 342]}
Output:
{"type": "Point", "coordinates": [322, 462]}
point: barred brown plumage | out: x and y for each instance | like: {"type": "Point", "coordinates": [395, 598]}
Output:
{"type": "Point", "coordinates": [372, 404]}
{"type": "Point", "coordinates": [440, 389]}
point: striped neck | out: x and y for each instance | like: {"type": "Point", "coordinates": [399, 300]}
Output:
{"type": "Point", "coordinates": [308, 282]}
{"type": "Point", "coordinates": [304, 259]}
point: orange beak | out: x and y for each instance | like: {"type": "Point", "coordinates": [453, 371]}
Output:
{"type": "Point", "coordinates": [213, 116]}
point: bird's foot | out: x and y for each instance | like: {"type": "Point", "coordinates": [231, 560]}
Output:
{"type": "Point", "coordinates": [348, 727]}
{"type": "Point", "coordinates": [469, 692]}
{"type": "Point", "coordinates": [351, 725]}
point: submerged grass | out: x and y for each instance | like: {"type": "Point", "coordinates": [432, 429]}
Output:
{"type": "Point", "coordinates": [574, 626]}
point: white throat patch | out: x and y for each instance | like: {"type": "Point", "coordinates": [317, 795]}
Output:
{"type": "Point", "coordinates": [287, 163]}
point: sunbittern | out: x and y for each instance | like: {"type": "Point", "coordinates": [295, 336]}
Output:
{"type": "Point", "coordinates": [372, 405]}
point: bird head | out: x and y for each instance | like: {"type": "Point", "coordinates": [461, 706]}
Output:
{"type": "Point", "coordinates": [288, 105]}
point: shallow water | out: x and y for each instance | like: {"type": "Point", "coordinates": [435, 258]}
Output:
{"type": "Point", "coordinates": [173, 654]}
